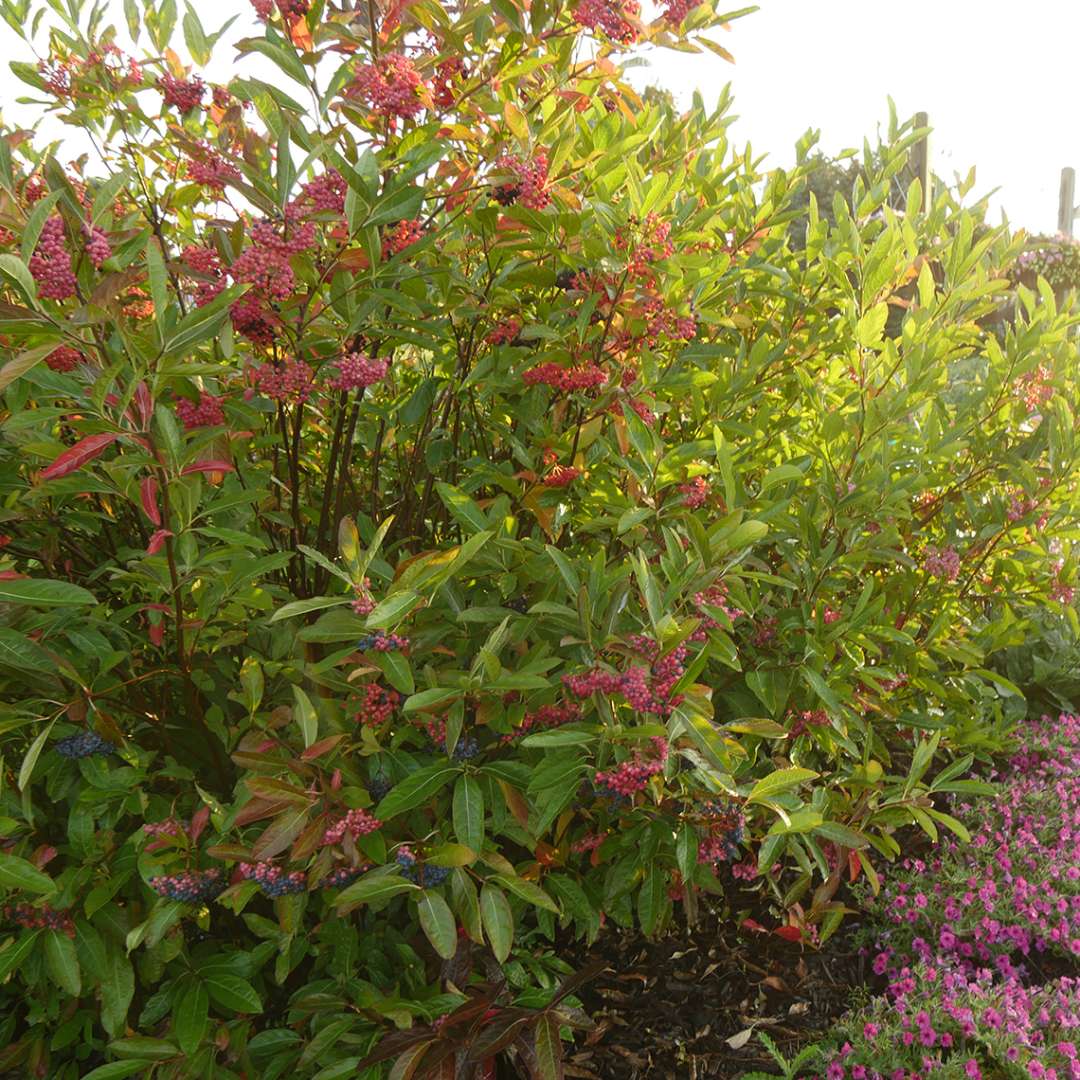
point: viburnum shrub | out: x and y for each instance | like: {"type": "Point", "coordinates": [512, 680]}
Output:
{"type": "Point", "coordinates": [441, 509]}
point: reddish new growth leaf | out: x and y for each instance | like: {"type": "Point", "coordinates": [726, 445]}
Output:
{"type": "Point", "coordinates": [157, 541]}
{"type": "Point", "coordinates": [78, 455]}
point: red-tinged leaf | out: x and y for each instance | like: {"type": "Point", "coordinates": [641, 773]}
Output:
{"type": "Point", "coordinates": [156, 634]}
{"type": "Point", "coordinates": [157, 540]}
{"type": "Point", "coordinates": [11, 575]}
{"type": "Point", "coordinates": [854, 865]}
{"type": "Point", "coordinates": [198, 823]}
{"type": "Point", "coordinates": [144, 403]}
{"type": "Point", "coordinates": [321, 747]}
{"type": "Point", "coordinates": [78, 455]}
{"type": "Point", "coordinates": [157, 607]}
{"type": "Point", "coordinates": [206, 467]}
{"type": "Point", "coordinates": [750, 924]}
{"type": "Point", "coordinates": [148, 493]}
{"type": "Point", "coordinates": [788, 933]}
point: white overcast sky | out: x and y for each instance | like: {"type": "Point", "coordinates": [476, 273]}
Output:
{"type": "Point", "coordinates": [998, 79]}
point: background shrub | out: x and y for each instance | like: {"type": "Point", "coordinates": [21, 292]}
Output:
{"type": "Point", "coordinates": [454, 509]}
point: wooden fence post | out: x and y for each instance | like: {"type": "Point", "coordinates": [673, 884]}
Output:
{"type": "Point", "coordinates": [1067, 202]}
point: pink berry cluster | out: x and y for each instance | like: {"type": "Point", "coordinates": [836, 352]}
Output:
{"type": "Point", "coordinates": [290, 9]}
{"type": "Point", "coordinates": [51, 262]}
{"type": "Point", "coordinates": [380, 641]}
{"type": "Point", "coordinates": [358, 371]}
{"type": "Point", "coordinates": [530, 185]}
{"type": "Point", "coordinates": [942, 562]}
{"type": "Point", "coordinates": [325, 193]}
{"type": "Point", "coordinates": [364, 603]}
{"type": "Point", "coordinates": [404, 234]}
{"type": "Point", "coordinates": [184, 95]}
{"type": "Point", "coordinates": [64, 359]}
{"type": "Point", "coordinates": [190, 886]}
{"type": "Point", "coordinates": [168, 827]}
{"type": "Point", "coordinates": [765, 631]}
{"type": "Point", "coordinates": [662, 321]}
{"type": "Point", "coordinates": [391, 87]}
{"type": "Point", "coordinates": [356, 823]}
{"type": "Point", "coordinates": [207, 413]}
{"type": "Point", "coordinates": [377, 705]}
{"type": "Point", "coordinates": [504, 332]}
{"type": "Point", "coordinates": [566, 380]}
{"type": "Point", "coordinates": [725, 827]}
{"type": "Point", "coordinates": [97, 245]}
{"type": "Point", "coordinates": [806, 720]}
{"type": "Point", "coordinates": [291, 381]}
{"type": "Point", "coordinates": [1061, 591]}
{"type": "Point", "coordinates": [561, 476]}
{"type": "Point", "coordinates": [588, 843]}
{"type": "Point", "coordinates": [209, 169]}
{"type": "Point", "coordinates": [1035, 388]}
{"type": "Point", "coordinates": [547, 716]}
{"type": "Point", "coordinates": [1020, 505]}
{"type": "Point", "coordinates": [715, 596]}
{"type": "Point", "coordinates": [42, 918]}
{"type": "Point", "coordinates": [676, 10]}
{"type": "Point", "coordinates": [645, 242]}
{"type": "Point", "coordinates": [646, 689]}
{"type": "Point", "coordinates": [831, 615]}
{"type": "Point", "coordinates": [273, 880]}
{"type": "Point", "coordinates": [206, 264]}
{"type": "Point", "coordinates": [633, 775]}
{"type": "Point", "coordinates": [615, 19]}
{"type": "Point", "coordinates": [448, 74]}
{"type": "Point", "coordinates": [695, 492]}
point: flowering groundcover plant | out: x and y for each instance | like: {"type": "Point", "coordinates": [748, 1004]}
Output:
{"type": "Point", "coordinates": [966, 935]}
{"type": "Point", "coordinates": [439, 506]}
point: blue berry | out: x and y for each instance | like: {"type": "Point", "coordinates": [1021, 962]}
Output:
{"type": "Point", "coordinates": [341, 876]}
{"type": "Point", "coordinates": [191, 886]}
{"type": "Point", "coordinates": [379, 787]}
{"type": "Point", "coordinates": [466, 749]}
{"type": "Point", "coordinates": [85, 744]}
{"type": "Point", "coordinates": [420, 873]}
{"type": "Point", "coordinates": [520, 604]}
{"type": "Point", "coordinates": [272, 880]}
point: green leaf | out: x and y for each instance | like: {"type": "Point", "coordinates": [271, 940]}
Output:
{"type": "Point", "coordinates": [232, 992]}
{"type": "Point", "coordinates": [19, 365]}
{"type": "Point", "coordinates": [115, 1070]}
{"type": "Point", "coordinates": [302, 607]}
{"type": "Point", "coordinates": [779, 475]}
{"type": "Point", "coordinates": [650, 904]}
{"type": "Point", "coordinates": [498, 920]}
{"type": "Point", "coordinates": [416, 789]}
{"type": "Point", "coordinates": [19, 874]}
{"type": "Point", "coordinates": [144, 1048]}
{"type": "Point", "coordinates": [437, 922]}
{"type": "Point", "coordinates": [12, 267]}
{"type": "Point", "coordinates": [393, 609]}
{"type": "Point", "coordinates": [427, 699]}
{"type": "Point", "coordinates": [463, 509]}
{"type": "Point", "coordinates": [372, 890]}
{"type": "Point", "coordinates": [159, 292]}
{"type": "Point", "coordinates": [469, 812]}
{"type": "Point", "coordinates": [191, 1019]}
{"type": "Point", "coordinates": [41, 592]}
{"type": "Point", "coordinates": [14, 954]}
{"type": "Point", "coordinates": [117, 982]}
{"type": "Point", "coordinates": [395, 667]}
{"type": "Point", "coordinates": [306, 717]}
{"type": "Point", "coordinates": [548, 1049]}
{"type": "Point", "coordinates": [842, 835]}
{"type": "Point", "coordinates": [26, 770]}
{"type": "Point", "coordinates": [528, 892]}
{"type": "Point", "coordinates": [63, 962]}
{"type": "Point", "coordinates": [781, 780]}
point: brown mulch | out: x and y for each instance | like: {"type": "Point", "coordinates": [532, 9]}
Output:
{"type": "Point", "coordinates": [686, 1007]}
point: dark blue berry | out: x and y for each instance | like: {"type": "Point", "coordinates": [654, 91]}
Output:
{"type": "Point", "coordinates": [520, 604]}
{"type": "Point", "coordinates": [379, 787]}
{"type": "Point", "coordinates": [85, 744]}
